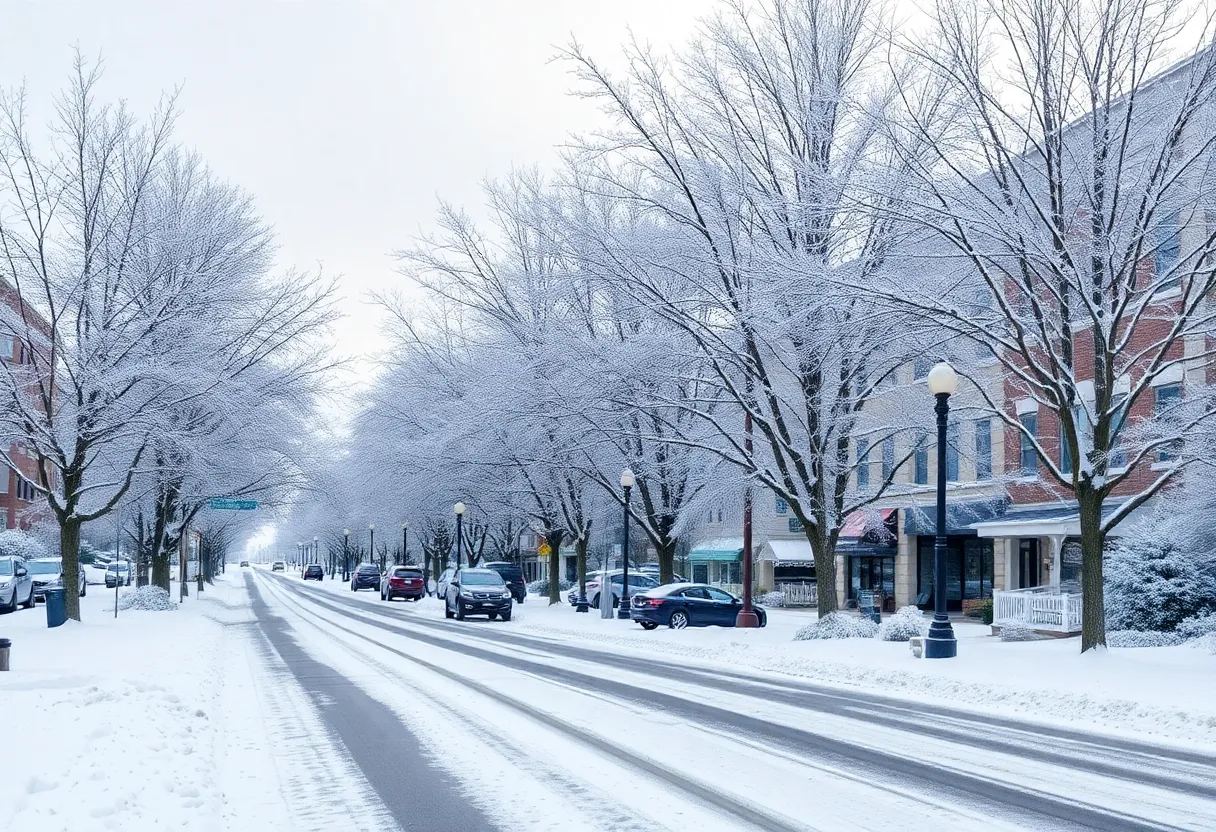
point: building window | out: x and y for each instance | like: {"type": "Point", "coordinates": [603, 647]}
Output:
{"type": "Point", "coordinates": [782, 507]}
{"type": "Point", "coordinates": [719, 515]}
{"type": "Point", "coordinates": [4, 518]}
{"type": "Point", "coordinates": [1167, 247]}
{"type": "Point", "coordinates": [795, 525]}
{"type": "Point", "coordinates": [888, 458]}
{"type": "Point", "coordinates": [25, 491]}
{"type": "Point", "coordinates": [983, 449]}
{"type": "Point", "coordinates": [1164, 398]}
{"type": "Point", "coordinates": [1117, 457]}
{"type": "Point", "coordinates": [921, 367]}
{"type": "Point", "coordinates": [6, 347]}
{"type": "Point", "coordinates": [863, 464]}
{"type": "Point", "coordinates": [1028, 457]}
{"type": "Point", "coordinates": [952, 452]}
{"type": "Point", "coordinates": [920, 473]}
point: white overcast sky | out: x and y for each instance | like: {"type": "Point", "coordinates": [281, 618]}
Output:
{"type": "Point", "coordinates": [346, 120]}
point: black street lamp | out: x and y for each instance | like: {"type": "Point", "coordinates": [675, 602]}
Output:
{"type": "Point", "coordinates": [315, 555]}
{"type": "Point", "coordinates": [405, 542]}
{"type": "Point", "coordinates": [627, 484]}
{"type": "Point", "coordinates": [459, 509]}
{"type": "Point", "coordinates": [941, 643]}
{"type": "Point", "coordinates": [371, 530]}
{"type": "Point", "coordinates": [346, 554]}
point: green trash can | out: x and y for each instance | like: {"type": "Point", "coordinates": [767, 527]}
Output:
{"type": "Point", "coordinates": [56, 607]}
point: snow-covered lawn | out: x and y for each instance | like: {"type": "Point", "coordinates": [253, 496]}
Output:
{"type": "Point", "coordinates": [144, 722]}
{"type": "Point", "coordinates": [1161, 691]}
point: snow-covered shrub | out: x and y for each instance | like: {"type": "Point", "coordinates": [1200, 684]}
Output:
{"type": "Point", "coordinates": [18, 543]}
{"type": "Point", "coordinates": [838, 625]}
{"type": "Point", "coordinates": [1197, 626]}
{"type": "Point", "coordinates": [771, 599]}
{"type": "Point", "coordinates": [542, 587]}
{"type": "Point", "coordinates": [908, 622]}
{"type": "Point", "coordinates": [1156, 584]}
{"type": "Point", "coordinates": [1017, 633]}
{"type": "Point", "coordinates": [1207, 642]}
{"type": "Point", "coordinates": [147, 598]}
{"type": "Point", "coordinates": [1140, 638]}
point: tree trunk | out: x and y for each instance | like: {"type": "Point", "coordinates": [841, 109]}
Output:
{"type": "Point", "coordinates": [161, 567]}
{"type": "Point", "coordinates": [554, 539]}
{"type": "Point", "coordinates": [1093, 613]}
{"type": "Point", "coordinates": [667, 561]}
{"type": "Point", "coordinates": [580, 551]}
{"type": "Point", "coordinates": [823, 548]}
{"type": "Point", "coordinates": [69, 550]}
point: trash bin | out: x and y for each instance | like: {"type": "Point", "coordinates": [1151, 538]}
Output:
{"type": "Point", "coordinates": [56, 607]}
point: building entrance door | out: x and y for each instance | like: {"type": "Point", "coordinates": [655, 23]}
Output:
{"type": "Point", "coordinates": [1029, 563]}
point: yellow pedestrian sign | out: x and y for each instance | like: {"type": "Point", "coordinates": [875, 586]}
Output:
{"type": "Point", "coordinates": [544, 549]}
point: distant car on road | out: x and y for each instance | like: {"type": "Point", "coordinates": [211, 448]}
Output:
{"type": "Point", "coordinates": [402, 582]}
{"type": "Point", "coordinates": [513, 576]}
{"type": "Point", "coordinates": [47, 573]}
{"type": "Point", "coordinates": [688, 605]}
{"type": "Point", "coordinates": [118, 573]}
{"type": "Point", "coordinates": [477, 592]}
{"type": "Point", "coordinates": [245, 563]}
{"type": "Point", "coordinates": [314, 572]}
{"type": "Point", "coordinates": [16, 585]}
{"type": "Point", "coordinates": [278, 566]}
{"type": "Point", "coordinates": [365, 576]}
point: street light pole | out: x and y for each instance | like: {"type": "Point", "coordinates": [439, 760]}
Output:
{"type": "Point", "coordinates": [459, 509]}
{"type": "Point", "coordinates": [345, 553]}
{"type": "Point", "coordinates": [371, 529]}
{"type": "Point", "coordinates": [405, 543]}
{"type": "Point", "coordinates": [941, 643]}
{"type": "Point", "coordinates": [623, 611]}
{"type": "Point", "coordinates": [747, 616]}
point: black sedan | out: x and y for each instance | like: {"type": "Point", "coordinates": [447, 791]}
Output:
{"type": "Point", "coordinates": [365, 576]}
{"type": "Point", "coordinates": [688, 605]}
{"type": "Point", "coordinates": [314, 572]}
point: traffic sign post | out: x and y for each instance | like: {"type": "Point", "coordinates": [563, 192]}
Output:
{"type": "Point", "coordinates": [224, 504]}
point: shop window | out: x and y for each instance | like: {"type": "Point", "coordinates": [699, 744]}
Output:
{"type": "Point", "coordinates": [952, 452]}
{"type": "Point", "coordinates": [920, 464]}
{"type": "Point", "coordinates": [983, 449]}
{"type": "Point", "coordinates": [1167, 247]}
{"type": "Point", "coordinates": [782, 507]}
{"type": "Point", "coordinates": [1028, 457]}
{"type": "Point", "coordinates": [888, 458]}
{"type": "Point", "coordinates": [863, 464]}
{"type": "Point", "coordinates": [1166, 397]}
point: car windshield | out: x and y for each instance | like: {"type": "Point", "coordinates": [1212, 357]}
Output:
{"type": "Point", "coordinates": [45, 567]}
{"type": "Point", "coordinates": [6, 566]}
{"type": "Point", "coordinates": [481, 578]}
{"type": "Point", "coordinates": [117, 567]}
{"type": "Point", "coordinates": [508, 572]}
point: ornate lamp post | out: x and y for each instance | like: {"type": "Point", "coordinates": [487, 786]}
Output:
{"type": "Point", "coordinates": [346, 554]}
{"type": "Point", "coordinates": [627, 484]}
{"type": "Point", "coordinates": [371, 530]}
{"type": "Point", "coordinates": [941, 643]}
{"type": "Point", "coordinates": [459, 509]}
{"type": "Point", "coordinates": [405, 542]}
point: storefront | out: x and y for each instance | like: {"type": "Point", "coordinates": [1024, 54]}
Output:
{"type": "Point", "coordinates": [970, 559]}
{"type": "Point", "coordinates": [717, 561]}
{"type": "Point", "coordinates": [868, 546]}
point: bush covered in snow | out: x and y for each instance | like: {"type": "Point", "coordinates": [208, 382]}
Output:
{"type": "Point", "coordinates": [837, 625]}
{"type": "Point", "coordinates": [1140, 638]}
{"type": "Point", "coordinates": [908, 622]}
{"type": "Point", "coordinates": [1156, 584]}
{"type": "Point", "coordinates": [1198, 626]}
{"type": "Point", "coordinates": [15, 542]}
{"type": "Point", "coordinates": [771, 599]}
{"type": "Point", "coordinates": [1016, 633]}
{"type": "Point", "coordinates": [147, 598]}
{"type": "Point", "coordinates": [542, 587]}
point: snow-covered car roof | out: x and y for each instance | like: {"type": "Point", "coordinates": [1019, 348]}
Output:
{"type": "Point", "coordinates": [666, 589]}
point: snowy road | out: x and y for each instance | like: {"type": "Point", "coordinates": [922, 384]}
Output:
{"type": "Point", "coordinates": [479, 726]}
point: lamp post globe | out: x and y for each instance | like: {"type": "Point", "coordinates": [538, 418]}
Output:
{"type": "Point", "coordinates": [941, 643]}
{"type": "Point", "coordinates": [627, 482]}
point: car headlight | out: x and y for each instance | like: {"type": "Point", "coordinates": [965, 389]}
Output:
{"type": "Point", "coordinates": [466, 593]}
{"type": "Point", "coordinates": [506, 595]}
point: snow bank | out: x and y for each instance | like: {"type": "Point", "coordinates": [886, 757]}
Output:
{"type": "Point", "coordinates": [907, 623]}
{"type": "Point", "coordinates": [1141, 638]}
{"type": "Point", "coordinates": [148, 598]}
{"type": "Point", "coordinates": [838, 625]}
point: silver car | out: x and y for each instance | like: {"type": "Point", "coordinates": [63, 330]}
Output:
{"type": "Point", "coordinates": [16, 586]}
{"type": "Point", "coordinates": [48, 574]}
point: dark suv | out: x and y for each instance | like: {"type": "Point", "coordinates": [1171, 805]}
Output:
{"type": "Point", "coordinates": [314, 572]}
{"type": "Point", "coordinates": [365, 576]}
{"type": "Point", "coordinates": [477, 592]}
{"type": "Point", "coordinates": [513, 576]}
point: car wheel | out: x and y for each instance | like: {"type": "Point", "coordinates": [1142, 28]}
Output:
{"type": "Point", "coordinates": [493, 616]}
{"type": "Point", "coordinates": [595, 602]}
{"type": "Point", "coordinates": [506, 616]}
{"type": "Point", "coordinates": [84, 590]}
{"type": "Point", "coordinates": [12, 605]}
{"type": "Point", "coordinates": [648, 625]}
{"type": "Point", "coordinates": [679, 620]}
{"type": "Point", "coordinates": [459, 610]}
{"type": "Point", "coordinates": [30, 602]}
{"type": "Point", "coordinates": [447, 612]}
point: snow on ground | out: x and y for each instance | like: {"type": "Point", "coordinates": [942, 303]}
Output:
{"type": "Point", "coordinates": [150, 721]}
{"type": "Point", "coordinates": [1159, 691]}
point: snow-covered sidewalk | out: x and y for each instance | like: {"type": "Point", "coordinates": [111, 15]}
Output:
{"type": "Point", "coordinates": [1164, 692]}
{"type": "Point", "coordinates": [144, 722]}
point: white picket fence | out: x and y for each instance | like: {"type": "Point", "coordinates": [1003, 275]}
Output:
{"type": "Point", "coordinates": [1037, 608]}
{"type": "Point", "coordinates": [798, 595]}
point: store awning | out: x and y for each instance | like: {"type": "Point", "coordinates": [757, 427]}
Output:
{"type": "Point", "coordinates": [721, 549]}
{"type": "Point", "coordinates": [961, 518]}
{"type": "Point", "coordinates": [1055, 520]}
{"type": "Point", "coordinates": [865, 520]}
{"type": "Point", "coordinates": [788, 553]}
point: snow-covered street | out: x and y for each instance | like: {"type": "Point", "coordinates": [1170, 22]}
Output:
{"type": "Point", "coordinates": [275, 704]}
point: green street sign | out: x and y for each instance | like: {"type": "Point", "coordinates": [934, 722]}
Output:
{"type": "Point", "coordinates": [223, 504]}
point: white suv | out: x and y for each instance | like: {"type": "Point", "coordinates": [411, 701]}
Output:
{"type": "Point", "coordinates": [637, 583]}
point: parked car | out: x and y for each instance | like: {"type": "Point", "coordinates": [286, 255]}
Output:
{"type": "Point", "coordinates": [651, 570]}
{"type": "Point", "coordinates": [477, 592]}
{"type": "Point", "coordinates": [47, 573]}
{"type": "Point", "coordinates": [637, 583]}
{"type": "Point", "coordinates": [118, 572]}
{"type": "Point", "coordinates": [365, 576]}
{"type": "Point", "coordinates": [16, 584]}
{"type": "Point", "coordinates": [314, 572]}
{"type": "Point", "coordinates": [513, 576]}
{"type": "Point", "coordinates": [402, 582]}
{"type": "Point", "coordinates": [441, 583]}
{"type": "Point", "coordinates": [245, 563]}
{"type": "Point", "coordinates": [688, 605]}
{"type": "Point", "coordinates": [278, 566]}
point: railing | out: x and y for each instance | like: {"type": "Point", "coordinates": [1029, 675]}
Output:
{"type": "Point", "coordinates": [798, 595]}
{"type": "Point", "coordinates": [1038, 608]}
